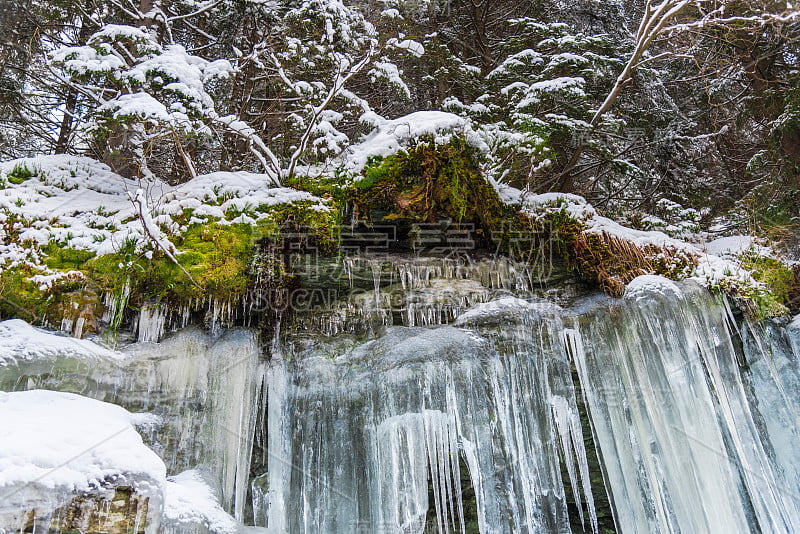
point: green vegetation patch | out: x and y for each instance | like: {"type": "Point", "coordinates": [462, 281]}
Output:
{"type": "Point", "coordinates": [429, 182]}
{"type": "Point", "coordinates": [19, 174]}
{"type": "Point", "coordinates": [778, 280]}
{"type": "Point", "coordinates": [68, 298]}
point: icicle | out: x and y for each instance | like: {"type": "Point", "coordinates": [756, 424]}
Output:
{"type": "Point", "coordinates": [152, 319]}
{"type": "Point", "coordinates": [676, 422]}
{"type": "Point", "coordinates": [568, 425]}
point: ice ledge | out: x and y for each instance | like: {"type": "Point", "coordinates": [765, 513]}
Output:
{"type": "Point", "coordinates": [21, 341]}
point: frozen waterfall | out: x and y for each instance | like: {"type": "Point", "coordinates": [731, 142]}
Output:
{"type": "Point", "coordinates": [432, 396]}
{"type": "Point", "coordinates": [693, 414]}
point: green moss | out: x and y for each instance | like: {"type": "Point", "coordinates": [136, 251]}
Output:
{"type": "Point", "coordinates": [429, 182]}
{"type": "Point", "coordinates": [771, 272]}
{"type": "Point", "coordinates": [219, 258]}
{"type": "Point", "coordinates": [20, 297]}
{"type": "Point", "coordinates": [65, 259]}
{"type": "Point", "coordinates": [302, 220]}
{"type": "Point", "coordinates": [68, 298]}
{"type": "Point", "coordinates": [327, 187]}
{"type": "Point", "coordinates": [778, 280]}
{"type": "Point", "coordinates": [564, 230]}
{"type": "Point", "coordinates": [216, 256]}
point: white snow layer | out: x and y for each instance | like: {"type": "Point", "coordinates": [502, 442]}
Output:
{"type": "Point", "coordinates": [391, 135]}
{"type": "Point", "coordinates": [80, 203]}
{"type": "Point", "coordinates": [735, 245]}
{"type": "Point", "coordinates": [62, 441]}
{"type": "Point", "coordinates": [21, 341]}
{"type": "Point", "coordinates": [189, 501]}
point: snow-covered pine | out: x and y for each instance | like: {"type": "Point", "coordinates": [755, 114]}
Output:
{"type": "Point", "coordinates": [323, 65]}
{"type": "Point", "coordinates": [538, 96]}
{"type": "Point", "coordinates": [144, 94]}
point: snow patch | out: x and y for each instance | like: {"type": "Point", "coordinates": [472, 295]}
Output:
{"type": "Point", "coordinates": [21, 341]}
{"type": "Point", "coordinates": [189, 500]}
{"type": "Point", "coordinates": [96, 442]}
{"type": "Point", "coordinates": [413, 47]}
{"type": "Point", "coordinates": [735, 245]}
{"type": "Point", "coordinates": [643, 287]}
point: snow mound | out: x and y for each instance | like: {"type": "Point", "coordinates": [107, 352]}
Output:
{"type": "Point", "coordinates": [189, 501]}
{"type": "Point", "coordinates": [62, 441]}
{"type": "Point", "coordinates": [21, 341]}
{"type": "Point", "coordinates": [645, 286]}
{"type": "Point", "coordinates": [75, 201]}
{"type": "Point", "coordinates": [391, 135]}
{"type": "Point", "coordinates": [215, 194]}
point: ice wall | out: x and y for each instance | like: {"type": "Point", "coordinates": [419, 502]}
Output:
{"type": "Point", "coordinates": [203, 388]}
{"type": "Point", "coordinates": [694, 412]}
{"type": "Point", "coordinates": [694, 435]}
{"type": "Point", "coordinates": [359, 431]}
{"type": "Point", "coordinates": [439, 396]}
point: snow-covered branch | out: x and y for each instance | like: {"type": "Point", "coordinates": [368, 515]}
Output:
{"type": "Point", "coordinates": [208, 6]}
{"type": "Point", "coordinates": [344, 72]}
{"type": "Point", "coordinates": [153, 232]}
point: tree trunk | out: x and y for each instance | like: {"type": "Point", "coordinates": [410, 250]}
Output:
{"type": "Point", "coordinates": [71, 100]}
{"type": "Point", "coordinates": [65, 130]}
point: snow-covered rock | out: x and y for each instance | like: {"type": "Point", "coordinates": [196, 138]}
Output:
{"type": "Point", "coordinates": [71, 462]}
{"type": "Point", "coordinates": [646, 286]}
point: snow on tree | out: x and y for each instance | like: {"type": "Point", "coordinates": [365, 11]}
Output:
{"type": "Point", "coordinates": [321, 58]}
{"type": "Point", "coordinates": [145, 95]}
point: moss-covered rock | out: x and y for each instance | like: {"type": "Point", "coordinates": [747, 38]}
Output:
{"type": "Point", "coordinates": [217, 262]}
{"type": "Point", "coordinates": [427, 182]}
